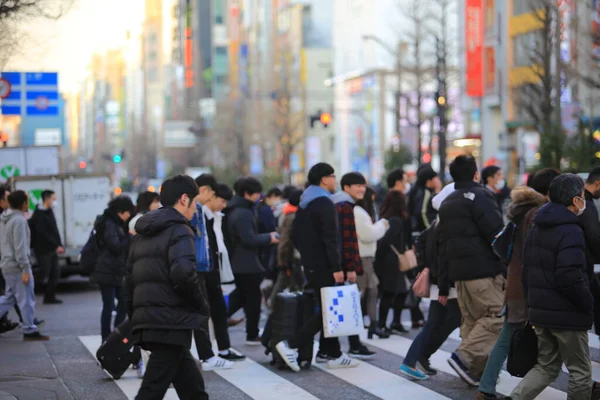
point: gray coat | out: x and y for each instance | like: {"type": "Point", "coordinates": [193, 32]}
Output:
{"type": "Point", "coordinates": [15, 240]}
{"type": "Point", "coordinates": [244, 241]}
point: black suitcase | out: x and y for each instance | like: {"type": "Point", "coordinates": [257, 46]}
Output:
{"type": "Point", "coordinates": [117, 353]}
{"type": "Point", "coordinates": [290, 311]}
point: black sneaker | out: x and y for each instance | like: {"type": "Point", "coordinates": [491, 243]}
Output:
{"type": "Point", "coordinates": [53, 301]}
{"type": "Point", "coordinates": [424, 366]}
{"type": "Point", "coordinates": [35, 336]}
{"type": "Point", "coordinates": [362, 353]}
{"type": "Point", "coordinates": [7, 325]}
{"type": "Point", "coordinates": [323, 358]}
{"type": "Point", "coordinates": [232, 356]}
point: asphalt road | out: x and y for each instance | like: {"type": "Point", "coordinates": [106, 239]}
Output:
{"type": "Point", "coordinates": [63, 368]}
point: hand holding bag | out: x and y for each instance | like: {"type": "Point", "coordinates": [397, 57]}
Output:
{"type": "Point", "coordinates": [342, 312]}
{"type": "Point", "coordinates": [406, 260]}
{"type": "Point", "coordinates": [421, 285]}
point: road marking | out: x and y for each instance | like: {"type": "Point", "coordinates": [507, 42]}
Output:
{"type": "Point", "coordinates": [399, 345]}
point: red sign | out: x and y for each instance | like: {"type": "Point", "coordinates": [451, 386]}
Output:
{"type": "Point", "coordinates": [474, 47]}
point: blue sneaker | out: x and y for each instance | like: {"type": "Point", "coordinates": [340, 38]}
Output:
{"type": "Point", "coordinates": [412, 373]}
{"type": "Point", "coordinates": [462, 370]}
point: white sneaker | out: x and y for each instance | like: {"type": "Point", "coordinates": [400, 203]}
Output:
{"type": "Point", "coordinates": [215, 363]}
{"type": "Point", "coordinates": [289, 356]}
{"type": "Point", "coordinates": [342, 362]}
{"type": "Point", "coordinates": [141, 368]}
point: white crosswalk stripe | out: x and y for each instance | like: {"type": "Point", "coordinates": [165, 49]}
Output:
{"type": "Point", "coordinates": [256, 379]}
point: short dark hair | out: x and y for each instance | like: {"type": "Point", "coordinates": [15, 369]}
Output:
{"type": "Point", "coordinates": [594, 176]}
{"type": "Point", "coordinates": [248, 185]}
{"type": "Point", "coordinates": [564, 188]}
{"type": "Point", "coordinates": [46, 194]}
{"type": "Point", "coordinates": [395, 176]}
{"type": "Point", "coordinates": [174, 188]}
{"type": "Point", "coordinates": [121, 204]}
{"type": "Point", "coordinates": [489, 172]}
{"type": "Point", "coordinates": [145, 199]}
{"type": "Point", "coordinates": [17, 199]}
{"type": "Point", "coordinates": [206, 180]}
{"type": "Point", "coordinates": [318, 172]}
{"type": "Point", "coordinates": [274, 192]}
{"type": "Point", "coordinates": [352, 178]}
{"type": "Point", "coordinates": [3, 191]}
{"type": "Point", "coordinates": [294, 198]}
{"type": "Point", "coordinates": [425, 173]}
{"type": "Point", "coordinates": [542, 179]}
{"type": "Point", "coordinates": [285, 193]}
{"type": "Point", "coordinates": [223, 191]}
{"type": "Point", "coordinates": [463, 169]}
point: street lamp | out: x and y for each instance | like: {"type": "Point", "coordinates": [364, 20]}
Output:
{"type": "Point", "coordinates": [397, 54]}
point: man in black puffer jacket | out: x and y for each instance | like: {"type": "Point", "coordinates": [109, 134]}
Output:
{"type": "Point", "coordinates": [164, 300]}
{"type": "Point", "coordinates": [469, 221]}
{"type": "Point", "coordinates": [557, 289]}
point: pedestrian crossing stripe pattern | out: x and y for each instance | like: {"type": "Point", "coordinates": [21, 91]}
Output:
{"type": "Point", "coordinates": [258, 380]}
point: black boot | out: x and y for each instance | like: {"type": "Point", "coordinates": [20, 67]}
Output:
{"type": "Point", "coordinates": [381, 333]}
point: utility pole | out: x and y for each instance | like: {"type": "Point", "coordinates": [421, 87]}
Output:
{"type": "Point", "coordinates": [442, 92]}
{"type": "Point", "coordinates": [398, 94]}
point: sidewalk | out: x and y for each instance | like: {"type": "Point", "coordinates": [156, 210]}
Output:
{"type": "Point", "coordinates": [27, 371]}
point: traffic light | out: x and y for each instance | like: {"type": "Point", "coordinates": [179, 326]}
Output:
{"type": "Point", "coordinates": [426, 158]}
{"type": "Point", "coordinates": [117, 158]}
{"type": "Point", "coordinates": [324, 118]}
{"type": "Point", "coordinates": [82, 165]}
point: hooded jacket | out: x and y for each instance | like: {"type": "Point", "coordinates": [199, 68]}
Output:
{"type": "Point", "coordinates": [163, 293]}
{"type": "Point", "coordinates": [244, 240]}
{"type": "Point", "coordinates": [15, 239]}
{"type": "Point", "coordinates": [315, 235]}
{"type": "Point", "coordinates": [344, 204]}
{"type": "Point", "coordinates": [524, 204]}
{"type": "Point", "coordinates": [555, 278]}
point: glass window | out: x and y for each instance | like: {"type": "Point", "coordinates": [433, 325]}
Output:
{"type": "Point", "coordinates": [523, 7]}
{"type": "Point", "coordinates": [523, 46]}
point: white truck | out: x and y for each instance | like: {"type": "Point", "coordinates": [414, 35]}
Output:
{"type": "Point", "coordinates": [29, 161]}
{"type": "Point", "coordinates": [80, 199]}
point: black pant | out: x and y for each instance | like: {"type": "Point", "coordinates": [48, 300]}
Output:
{"type": "Point", "coordinates": [218, 314]}
{"type": "Point", "coordinates": [109, 295]}
{"type": "Point", "coordinates": [171, 364]}
{"type": "Point", "coordinates": [390, 300]}
{"type": "Point", "coordinates": [2, 289]}
{"type": "Point", "coordinates": [48, 261]}
{"type": "Point", "coordinates": [314, 325]}
{"type": "Point", "coordinates": [595, 289]}
{"type": "Point", "coordinates": [247, 294]}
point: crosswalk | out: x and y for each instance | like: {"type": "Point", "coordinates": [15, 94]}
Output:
{"type": "Point", "coordinates": [255, 378]}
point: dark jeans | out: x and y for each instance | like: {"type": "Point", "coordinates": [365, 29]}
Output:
{"type": "Point", "coordinates": [595, 289]}
{"type": "Point", "coordinates": [441, 321]}
{"type": "Point", "coordinates": [306, 334]}
{"type": "Point", "coordinates": [171, 364]}
{"type": "Point", "coordinates": [218, 314]}
{"type": "Point", "coordinates": [247, 295]}
{"type": "Point", "coordinates": [109, 295]}
{"type": "Point", "coordinates": [49, 264]}
{"type": "Point", "coordinates": [2, 290]}
{"type": "Point", "coordinates": [390, 301]}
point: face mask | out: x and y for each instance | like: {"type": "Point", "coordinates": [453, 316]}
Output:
{"type": "Point", "coordinates": [407, 188]}
{"type": "Point", "coordinates": [581, 210]}
{"type": "Point", "coordinates": [500, 184]}
{"type": "Point", "coordinates": [54, 204]}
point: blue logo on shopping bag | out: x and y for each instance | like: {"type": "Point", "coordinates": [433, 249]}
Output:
{"type": "Point", "coordinates": [338, 315]}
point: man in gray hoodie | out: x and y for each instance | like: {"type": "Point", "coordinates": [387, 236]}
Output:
{"type": "Point", "coordinates": [15, 263]}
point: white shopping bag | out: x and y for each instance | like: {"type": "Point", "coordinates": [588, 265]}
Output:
{"type": "Point", "coordinates": [342, 313]}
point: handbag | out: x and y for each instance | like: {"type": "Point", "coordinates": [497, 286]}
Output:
{"type": "Point", "coordinates": [407, 260]}
{"type": "Point", "coordinates": [522, 352]}
{"type": "Point", "coordinates": [421, 285]}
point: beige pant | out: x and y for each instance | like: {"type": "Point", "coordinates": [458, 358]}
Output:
{"type": "Point", "coordinates": [554, 348]}
{"type": "Point", "coordinates": [480, 302]}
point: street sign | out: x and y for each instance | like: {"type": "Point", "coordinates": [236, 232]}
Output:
{"type": "Point", "coordinates": [29, 94]}
{"type": "Point", "coordinates": [4, 88]}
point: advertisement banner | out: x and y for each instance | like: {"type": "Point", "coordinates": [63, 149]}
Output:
{"type": "Point", "coordinates": [490, 69]}
{"type": "Point", "coordinates": [474, 47]}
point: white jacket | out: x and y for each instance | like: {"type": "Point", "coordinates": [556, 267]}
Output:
{"type": "Point", "coordinates": [368, 232]}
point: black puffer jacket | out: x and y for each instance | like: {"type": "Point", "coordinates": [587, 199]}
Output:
{"type": "Point", "coordinates": [386, 261]}
{"type": "Point", "coordinates": [469, 221]}
{"type": "Point", "coordinates": [114, 238]}
{"type": "Point", "coordinates": [162, 284]}
{"type": "Point", "coordinates": [244, 242]}
{"type": "Point", "coordinates": [554, 271]}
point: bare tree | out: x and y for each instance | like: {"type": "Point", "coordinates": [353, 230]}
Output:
{"type": "Point", "coordinates": [13, 13]}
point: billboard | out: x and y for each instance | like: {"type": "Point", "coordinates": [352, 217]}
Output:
{"type": "Point", "coordinates": [474, 47]}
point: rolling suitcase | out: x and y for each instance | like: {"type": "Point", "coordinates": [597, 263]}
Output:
{"type": "Point", "coordinates": [117, 353]}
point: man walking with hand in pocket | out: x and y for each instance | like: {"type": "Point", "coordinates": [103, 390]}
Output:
{"type": "Point", "coordinates": [316, 235]}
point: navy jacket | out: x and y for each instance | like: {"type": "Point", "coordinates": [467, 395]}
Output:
{"type": "Point", "coordinates": [554, 271]}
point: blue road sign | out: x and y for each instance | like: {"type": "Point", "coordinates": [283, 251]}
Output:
{"type": "Point", "coordinates": [32, 94]}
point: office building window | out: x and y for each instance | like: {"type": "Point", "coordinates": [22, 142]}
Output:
{"type": "Point", "coordinates": [521, 7]}
{"type": "Point", "coordinates": [523, 47]}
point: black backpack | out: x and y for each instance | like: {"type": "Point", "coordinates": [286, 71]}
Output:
{"type": "Point", "coordinates": [504, 242]}
{"type": "Point", "coordinates": [88, 257]}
